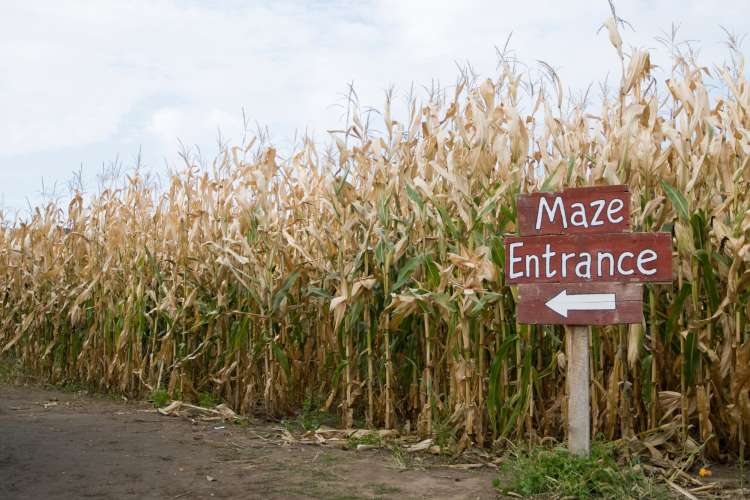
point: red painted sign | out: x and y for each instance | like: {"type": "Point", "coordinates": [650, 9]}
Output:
{"type": "Point", "coordinates": [580, 303]}
{"type": "Point", "coordinates": [576, 261]}
{"type": "Point", "coordinates": [576, 210]}
{"type": "Point", "coordinates": [629, 257]}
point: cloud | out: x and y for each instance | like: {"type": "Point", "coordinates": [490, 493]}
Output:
{"type": "Point", "coordinates": [86, 81]}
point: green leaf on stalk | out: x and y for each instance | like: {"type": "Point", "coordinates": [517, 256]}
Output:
{"type": "Point", "coordinates": [447, 222]}
{"type": "Point", "coordinates": [319, 292]}
{"type": "Point", "coordinates": [548, 184]}
{"type": "Point", "coordinates": [690, 357]}
{"type": "Point", "coordinates": [406, 271]}
{"type": "Point", "coordinates": [445, 301]}
{"type": "Point", "coordinates": [415, 197]}
{"type": "Point", "coordinates": [646, 378]}
{"type": "Point", "coordinates": [487, 298]}
{"type": "Point", "coordinates": [679, 202]}
{"type": "Point", "coordinates": [281, 358]}
{"type": "Point", "coordinates": [709, 279]}
{"type": "Point", "coordinates": [432, 271]}
{"type": "Point", "coordinates": [284, 290]}
{"type": "Point", "coordinates": [676, 309]}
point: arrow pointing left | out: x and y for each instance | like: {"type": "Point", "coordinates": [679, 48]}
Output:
{"type": "Point", "coordinates": [562, 302]}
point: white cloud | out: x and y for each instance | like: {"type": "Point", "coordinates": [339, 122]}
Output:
{"type": "Point", "coordinates": [86, 81]}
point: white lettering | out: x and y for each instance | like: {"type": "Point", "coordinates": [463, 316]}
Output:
{"type": "Point", "coordinates": [611, 210]}
{"type": "Point", "coordinates": [535, 260]}
{"type": "Point", "coordinates": [513, 260]}
{"type": "Point", "coordinates": [643, 259]}
{"type": "Point", "coordinates": [599, 204]}
{"type": "Point", "coordinates": [548, 253]}
{"type": "Point", "coordinates": [548, 262]}
{"type": "Point", "coordinates": [580, 212]}
{"type": "Point", "coordinates": [599, 258]}
{"type": "Point", "coordinates": [565, 256]}
{"type": "Point", "coordinates": [551, 211]}
{"type": "Point", "coordinates": [620, 268]}
{"type": "Point", "coordinates": [585, 262]}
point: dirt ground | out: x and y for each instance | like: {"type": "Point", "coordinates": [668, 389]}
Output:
{"type": "Point", "coordinates": [63, 445]}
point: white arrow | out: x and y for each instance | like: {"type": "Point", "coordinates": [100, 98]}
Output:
{"type": "Point", "coordinates": [562, 302]}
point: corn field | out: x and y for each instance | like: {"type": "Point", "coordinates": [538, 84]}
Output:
{"type": "Point", "coordinates": [367, 278]}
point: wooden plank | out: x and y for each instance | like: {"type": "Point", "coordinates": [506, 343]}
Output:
{"type": "Point", "coordinates": [603, 209]}
{"type": "Point", "coordinates": [577, 369]}
{"type": "Point", "coordinates": [534, 305]}
{"type": "Point", "coordinates": [582, 258]}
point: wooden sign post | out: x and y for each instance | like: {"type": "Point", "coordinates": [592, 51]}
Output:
{"type": "Point", "coordinates": [576, 263]}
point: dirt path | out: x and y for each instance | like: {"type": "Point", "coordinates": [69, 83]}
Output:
{"type": "Point", "coordinates": [61, 445]}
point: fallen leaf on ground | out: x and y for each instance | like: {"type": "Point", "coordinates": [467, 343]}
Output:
{"type": "Point", "coordinates": [420, 446]}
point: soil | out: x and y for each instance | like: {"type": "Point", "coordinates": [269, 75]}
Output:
{"type": "Point", "coordinates": [62, 445]}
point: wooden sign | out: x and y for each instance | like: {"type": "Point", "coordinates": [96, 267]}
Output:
{"type": "Point", "coordinates": [629, 257]}
{"type": "Point", "coordinates": [575, 256]}
{"type": "Point", "coordinates": [577, 263]}
{"type": "Point", "coordinates": [580, 303]}
{"type": "Point", "coordinates": [603, 209]}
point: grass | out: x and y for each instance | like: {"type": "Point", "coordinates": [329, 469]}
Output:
{"type": "Point", "coordinates": [328, 458]}
{"type": "Point", "coordinates": [159, 397]}
{"type": "Point", "coordinates": [557, 472]}
{"type": "Point", "coordinates": [444, 435]}
{"type": "Point", "coordinates": [71, 387]}
{"type": "Point", "coordinates": [241, 422]}
{"type": "Point", "coordinates": [206, 400]}
{"type": "Point", "coordinates": [370, 439]}
{"type": "Point", "coordinates": [8, 371]}
{"type": "Point", "coordinates": [403, 459]}
{"type": "Point", "coordinates": [384, 489]}
{"type": "Point", "coordinates": [310, 418]}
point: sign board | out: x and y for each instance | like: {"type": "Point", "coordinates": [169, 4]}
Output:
{"type": "Point", "coordinates": [576, 261]}
{"type": "Point", "coordinates": [580, 303]}
{"type": "Point", "coordinates": [630, 257]}
{"type": "Point", "coordinates": [603, 209]}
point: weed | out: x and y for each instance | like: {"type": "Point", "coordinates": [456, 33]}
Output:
{"type": "Point", "coordinates": [371, 439]}
{"type": "Point", "coordinates": [241, 422]}
{"type": "Point", "coordinates": [309, 418]}
{"type": "Point", "coordinates": [327, 458]}
{"type": "Point", "coordinates": [159, 398]}
{"type": "Point", "coordinates": [559, 473]}
{"type": "Point", "coordinates": [206, 400]}
{"type": "Point", "coordinates": [8, 371]}
{"type": "Point", "coordinates": [403, 458]}
{"type": "Point", "coordinates": [70, 387]}
{"type": "Point", "coordinates": [384, 489]}
{"type": "Point", "coordinates": [445, 434]}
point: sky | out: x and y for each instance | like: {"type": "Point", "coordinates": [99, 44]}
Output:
{"type": "Point", "coordinates": [84, 84]}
